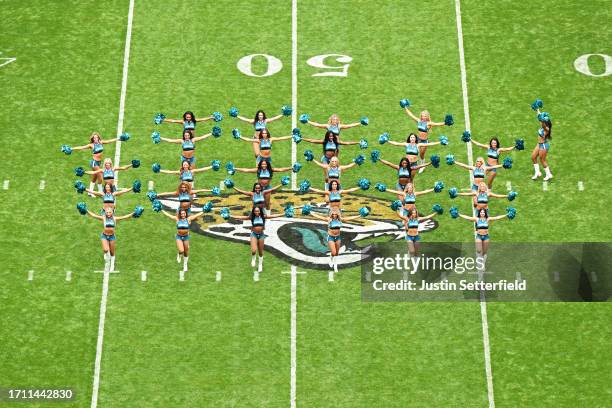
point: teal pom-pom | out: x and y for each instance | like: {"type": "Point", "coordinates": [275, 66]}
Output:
{"type": "Point", "coordinates": [507, 163]}
{"type": "Point", "coordinates": [304, 118]}
{"type": "Point", "coordinates": [437, 208]}
{"type": "Point", "coordinates": [152, 195]}
{"type": "Point", "coordinates": [364, 211]}
{"type": "Point", "coordinates": [454, 212]}
{"type": "Point", "coordinates": [363, 183]}
{"type": "Point", "coordinates": [233, 111]}
{"type": "Point", "coordinates": [215, 164]}
{"type": "Point", "coordinates": [466, 136]}
{"type": "Point", "coordinates": [375, 156]}
{"type": "Point", "coordinates": [453, 192]}
{"type": "Point", "coordinates": [156, 167]}
{"type": "Point", "coordinates": [304, 186]}
{"type": "Point", "coordinates": [381, 187]}
{"type": "Point", "coordinates": [519, 144]}
{"type": "Point", "coordinates": [207, 207]}
{"type": "Point", "coordinates": [229, 166]}
{"type": "Point", "coordinates": [228, 183]}
{"type": "Point", "coordinates": [82, 207]}
{"type": "Point", "coordinates": [286, 110]}
{"type": "Point", "coordinates": [443, 140]}
{"type": "Point", "coordinates": [296, 131]}
{"type": "Point", "coordinates": [289, 211]}
{"type": "Point", "coordinates": [80, 187]}
{"type": "Point", "coordinates": [67, 150]}
{"type": "Point", "coordinates": [435, 160]}
{"type": "Point", "coordinates": [159, 118]}
{"type": "Point", "coordinates": [405, 103]}
{"type": "Point", "coordinates": [297, 166]}
{"type": "Point", "coordinates": [438, 186]}
{"type": "Point", "coordinates": [297, 138]}
{"type": "Point", "coordinates": [396, 205]}
{"type": "Point", "coordinates": [363, 144]}
{"type": "Point", "coordinates": [225, 213]}
{"type": "Point", "coordinates": [156, 137]}
{"type": "Point", "coordinates": [359, 160]}
{"type": "Point", "coordinates": [544, 117]}
{"type": "Point", "coordinates": [135, 163]}
{"type": "Point", "coordinates": [537, 104]}
{"type": "Point", "coordinates": [136, 186]}
{"type": "Point", "coordinates": [124, 137]}
{"type": "Point", "coordinates": [448, 120]}
{"type": "Point", "coordinates": [285, 180]}
{"type": "Point", "coordinates": [236, 133]}
{"type": "Point", "coordinates": [512, 195]}
{"type": "Point", "coordinates": [364, 121]}
{"type": "Point", "coordinates": [384, 138]}
{"type": "Point", "coordinates": [138, 211]}
{"type": "Point", "coordinates": [306, 209]}
{"type": "Point", "coordinates": [217, 116]}
{"type": "Point", "coordinates": [511, 212]}
{"type": "Point", "coordinates": [79, 171]}
{"type": "Point", "coordinates": [450, 159]}
{"type": "Point", "coordinates": [156, 205]}
{"type": "Point", "coordinates": [308, 155]}
{"type": "Point", "coordinates": [216, 131]}
{"type": "Point", "coordinates": [216, 191]}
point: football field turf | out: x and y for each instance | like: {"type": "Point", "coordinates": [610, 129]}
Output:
{"type": "Point", "coordinates": [292, 335]}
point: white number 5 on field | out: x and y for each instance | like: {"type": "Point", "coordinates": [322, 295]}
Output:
{"type": "Point", "coordinates": [6, 61]}
{"type": "Point", "coordinates": [274, 65]}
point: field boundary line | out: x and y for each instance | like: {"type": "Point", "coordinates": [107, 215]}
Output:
{"type": "Point", "coordinates": [293, 336]}
{"type": "Point", "coordinates": [103, 300]}
{"type": "Point", "coordinates": [293, 88]}
{"type": "Point", "coordinates": [466, 113]}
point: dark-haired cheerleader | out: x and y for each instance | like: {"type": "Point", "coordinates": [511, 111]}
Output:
{"type": "Point", "coordinates": [186, 172]}
{"type": "Point", "coordinates": [331, 145]}
{"type": "Point", "coordinates": [258, 194]}
{"type": "Point", "coordinates": [264, 173]}
{"type": "Point", "coordinates": [185, 195]}
{"type": "Point", "coordinates": [262, 144]}
{"type": "Point", "coordinates": [493, 151]}
{"type": "Point", "coordinates": [404, 171]}
{"type": "Point", "coordinates": [189, 120]}
{"type": "Point", "coordinates": [424, 125]}
{"type": "Point", "coordinates": [481, 223]}
{"type": "Point", "coordinates": [334, 242]}
{"type": "Point", "coordinates": [333, 195]}
{"type": "Point", "coordinates": [411, 224]}
{"type": "Point", "coordinates": [260, 121]}
{"type": "Point", "coordinates": [187, 143]}
{"type": "Point", "coordinates": [108, 195]}
{"type": "Point", "coordinates": [543, 146]}
{"type": "Point", "coordinates": [183, 223]}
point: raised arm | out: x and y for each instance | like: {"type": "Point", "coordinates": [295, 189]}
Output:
{"type": "Point", "coordinates": [242, 118]}
{"type": "Point", "coordinates": [250, 140]}
{"type": "Point", "coordinates": [97, 194]}
{"type": "Point", "coordinates": [344, 142]}
{"type": "Point", "coordinates": [430, 143]}
{"type": "Point", "coordinates": [275, 216]}
{"type": "Point", "coordinates": [484, 146]}
{"type": "Point", "coordinates": [249, 193]}
{"type": "Point", "coordinates": [318, 125]}
{"type": "Point", "coordinates": [316, 190]}
{"type": "Point", "coordinates": [412, 115]}
{"type": "Point", "coordinates": [109, 141]}
{"type": "Point", "coordinates": [201, 190]}
{"type": "Point", "coordinates": [350, 190]}
{"type": "Point", "coordinates": [166, 120]}
{"type": "Point", "coordinates": [437, 124]}
{"type": "Point", "coordinates": [169, 171]}
{"type": "Point", "coordinates": [272, 119]}
{"type": "Point", "coordinates": [280, 138]}
{"type": "Point", "coordinates": [282, 169]}
{"type": "Point", "coordinates": [84, 147]}
{"type": "Point", "coordinates": [498, 217]}
{"type": "Point", "coordinates": [198, 138]}
{"type": "Point", "coordinates": [351, 218]}
{"type": "Point", "coordinates": [316, 141]}
{"type": "Point", "coordinates": [391, 191]}
{"type": "Point", "coordinates": [388, 163]}
{"type": "Point", "coordinates": [497, 195]}
{"type": "Point", "coordinates": [122, 191]}
{"type": "Point", "coordinates": [471, 193]}
{"type": "Point", "coordinates": [201, 169]}
{"type": "Point", "coordinates": [273, 189]}
{"type": "Point", "coordinates": [428, 217]}
{"type": "Point", "coordinates": [240, 217]}
{"type": "Point", "coordinates": [350, 125]}
{"type": "Point", "coordinates": [467, 217]}
{"type": "Point", "coordinates": [195, 216]}
{"type": "Point", "coordinates": [465, 166]}
{"type": "Point", "coordinates": [94, 171]}
{"type": "Point", "coordinates": [245, 170]}
{"type": "Point", "coordinates": [418, 193]}
{"type": "Point", "coordinates": [320, 217]}
{"type": "Point", "coordinates": [420, 166]}
{"type": "Point", "coordinates": [397, 143]}
{"type": "Point", "coordinates": [318, 163]}
{"type": "Point", "coordinates": [119, 168]}
{"type": "Point", "coordinates": [505, 149]}
{"type": "Point", "coordinates": [99, 217]}
{"type": "Point", "coordinates": [165, 139]}
{"type": "Point", "coordinates": [348, 166]}
{"type": "Point", "coordinates": [489, 168]}
{"type": "Point", "coordinates": [124, 217]}
{"type": "Point", "coordinates": [204, 119]}
{"type": "Point", "coordinates": [168, 193]}
{"type": "Point", "coordinates": [167, 214]}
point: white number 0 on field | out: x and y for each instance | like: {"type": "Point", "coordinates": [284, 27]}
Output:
{"type": "Point", "coordinates": [275, 65]}
{"type": "Point", "coordinates": [582, 65]}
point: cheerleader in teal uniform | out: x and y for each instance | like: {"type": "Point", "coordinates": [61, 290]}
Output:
{"type": "Point", "coordinates": [413, 146]}
{"type": "Point", "coordinates": [183, 224]}
{"type": "Point", "coordinates": [424, 126]}
{"type": "Point", "coordinates": [108, 172]}
{"type": "Point", "coordinates": [493, 151]}
{"type": "Point", "coordinates": [482, 195]}
{"type": "Point", "coordinates": [258, 194]}
{"type": "Point", "coordinates": [262, 144]}
{"type": "Point", "coordinates": [187, 145]}
{"type": "Point", "coordinates": [333, 125]}
{"type": "Point", "coordinates": [260, 121]}
{"type": "Point", "coordinates": [185, 195]}
{"type": "Point", "coordinates": [481, 224]}
{"type": "Point", "coordinates": [108, 195]}
{"type": "Point", "coordinates": [264, 173]}
{"type": "Point", "coordinates": [333, 195]}
{"type": "Point", "coordinates": [479, 170]}
{"type": "Point", "coordinates": [258, 225]}
{"type": "Point", "coordinates": [96, 144]}
{"type": "Point", "coordinates": [408, 196]}
{"type": "Point", "coordinates": [411, 225]}
{"type": "Point", "coordinates": [189, 120]}
{"type": "Point", "coordinates": [331, 145]}
{"type": "Point", "coordinates": [333, 169]}
{"type": "Point", "coordinates": [186, 172]}
{"type": "Point", "coordinates": [542, 147]}
{"type": "Point", "coordinates": [334, 241]}
{"type": "Point", "coordinates": [404, 171]}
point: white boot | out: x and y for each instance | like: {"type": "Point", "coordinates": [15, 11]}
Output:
{"type": "Point", "coordinates": [112, 264]}
{"type": "Point", "coordinates": [260, 268]}
{"type": "Point", "coordinates": [92, 185]}
{"type": "Point", "coordinates": [422, 169]}
{"type": "Point", "coordinates": [537, 173]}
{"type": "Point", "coordinates": [106, 262]}
{"type": "Point", "coordinates": [253, 260]}
{"type": "Point", "coordinates": [331, 261]}
{"type": "Point", "coordinates": [178, 258]}
{"type": "Point", "coordinates": [185, 260]}
{"type": "Point", "coordinates": [548, 174]}
{"type": "Point", "coordinates": [335, 265]}
{"type": "Point", "coordinates": [100, 188]}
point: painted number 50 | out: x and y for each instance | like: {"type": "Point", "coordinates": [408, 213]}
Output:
{"type": "Point", "coordinates": [274, 65]}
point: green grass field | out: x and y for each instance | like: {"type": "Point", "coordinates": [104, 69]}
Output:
{"type": "Point", "coordinates": [205, 342]}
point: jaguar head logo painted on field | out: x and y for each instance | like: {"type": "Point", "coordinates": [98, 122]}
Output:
{"type": "Point", "coordinates": [301, 240]}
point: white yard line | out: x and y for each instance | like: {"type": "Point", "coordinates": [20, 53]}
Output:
{"type": "Point", "coordinates": [330, 276]}
{"type": "Point", "coordinates": [68, 276]}
{"type": "Point", "coordinates": [151, 185]}
{"type": "Point", "coordinates": [41, 186]}
{"type": "Point", "coordinates": [30, 275]}
{"type": "Point", "coordinates": [293, 334]}
{"type": "Point", "coordinates": [293, 87]}
{"type": "Point", "coordinates": [218, 276]}
{"type": "Point", "coordinates": [103, 300]}
{"type": "Point", "coordinates": [255, 276]}
{"type": "Point", "coordinates": [545, 185]}
{"type": "Point", "coordinates": [5, 185]}
{"type": "Point", "coordinates": [508, 186]}
{"type": "Point", "coordinates": [181, 275]}
{"type": "Point", "coordinates": [580, 186]}
{"type": "Point", "coordinates": [143, 276]}
{"type": "Point", "coordinates": [483, 301]}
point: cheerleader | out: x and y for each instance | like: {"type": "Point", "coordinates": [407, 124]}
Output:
{"type": "Point", "coordinates": [258, 224]}
{"type": "Point", "coordinates": [96, 144]}
{"type": "Point", "coordinates": [186, 172]}
{"type": "Point", "coordinates": [333, 195]}
{"type": "Point", "coordinates": [413, 146]}
{"type": "Point", "coordinates": [334, 225]}
{"type": "Point", "coordinates": [189, 120]}
{"type": "Point", "coordinates": [411, 224]}
{"type": "Point", "coordinates": [262, 144]}
{"type": "Point", "coordinates": [332, 170]}
{"type": "Point", "coordinates": [424, 125]}
{"type": "Point", "coordinates": [408, 196]}
{"type": "Point", "coordinates": [542, 147]}
{"type": "Point", "coordinates": [108, 196]}
{"type": "Point", "coordinates": [107, 237]}
{"type": "Point", "coordinates": [481, 223]}
{"type": "Point", "coordinates": [404, 171]}
{"type": "Point", "coordinates": [479, 171]}
{"type": "Point", "coordinates": [264, 173]}
{"type": "Point", "coordinates": [481, 196]}
{"type": "Point", "coordinates": [187, 144]}
{"type": "Point", "coordinates": [331, 145]}
{"type": "Point", "coordinates": [260, 121]}
{"type": "Point", "coordinates": [333, 125]}
{"type": "Point", "coordinates": [185, 195]}
{"type": "Point", "coordinates": [108, 172]}
{"type": "Point", "coordinates": [493, 151]}
{"type": "Point", "coordinates": [258, 194]}
{"type": "Point", "coordinates": [183, 223]}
